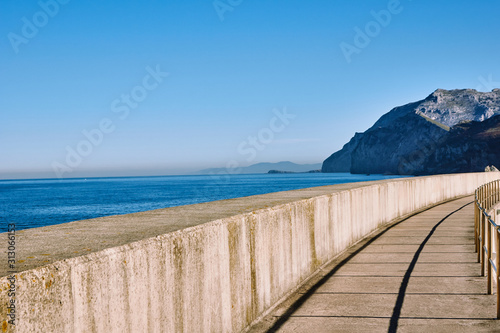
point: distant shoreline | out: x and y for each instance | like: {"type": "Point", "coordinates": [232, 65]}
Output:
{"type": "Point", "coordinates": [279, 171]}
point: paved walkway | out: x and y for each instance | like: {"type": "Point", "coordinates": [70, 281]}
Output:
{"type": "Point", "coordinates": [420, 275]}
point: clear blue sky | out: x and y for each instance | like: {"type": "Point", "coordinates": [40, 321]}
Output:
{"type": "Point", "coordinates": [232, 65]}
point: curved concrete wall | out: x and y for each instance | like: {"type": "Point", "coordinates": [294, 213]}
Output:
{"type": "Point", "coordinates": [219, 276]}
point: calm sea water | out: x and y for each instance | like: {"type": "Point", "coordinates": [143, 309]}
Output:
{"type": "Point", "coordinates": [36, 203]}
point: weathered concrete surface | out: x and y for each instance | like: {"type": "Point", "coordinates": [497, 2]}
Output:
{"type": "Point", "coordinates": [442, 292]}
{"type": "Point", "coordinates": [214, 267]}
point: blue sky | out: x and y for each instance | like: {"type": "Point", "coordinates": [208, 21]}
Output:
{"type": "Point", "coordinates": [248, 81]}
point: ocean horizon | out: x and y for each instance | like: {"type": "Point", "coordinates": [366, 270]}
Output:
{"type": "Point", "coordinates": [31, 203]}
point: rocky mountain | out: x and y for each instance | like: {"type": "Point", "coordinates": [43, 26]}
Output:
{"type": "Point", "coordinates": [403, 140]}
{"type": "Point", "coordinates": [341, 160]}
{"type": "Point", "coordinates": [469, 147]}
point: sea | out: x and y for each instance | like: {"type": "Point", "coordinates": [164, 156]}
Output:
{"type": "Point", "coordinates": [41, 202]}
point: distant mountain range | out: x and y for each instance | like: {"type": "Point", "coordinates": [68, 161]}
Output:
{"type": "Point", "coordinates": [449, 131]}
{"type": "Point", "coordinates": [266, 167]}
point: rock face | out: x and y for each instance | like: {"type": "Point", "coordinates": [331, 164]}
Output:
{"type": "Point", "coordinates": [341, 160]}
{"type": "Point", "coordinates": [403, 140]}
{"type": "Point", "coordinates": [470, 147]}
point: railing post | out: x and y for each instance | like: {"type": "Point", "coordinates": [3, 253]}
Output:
{"type": "Point", "coordinates": [478, 245]}
{"type": "Point", "coordinates": [485, 203]}
{"type": "Point", "coordinates": [484, 196]}
{"type": "Point", "coordinates": [491, 195]}
{"type": "Point", "coordinates": [482, 242]}
{"type": "Point", "coordinates": [495, 192]}
{"type": "Point", "coordinates": [481, 189]}
{"type": "Point", "coordinates": [497, 275]}
{"type": "Point", "coordinates": [489, 256]}
{"type": "Point", "coordinates": [475, 222]}
{"type": "Point", "coordinates": [487, 191]}
{"type": "Point", "coordinates": [488, 197]}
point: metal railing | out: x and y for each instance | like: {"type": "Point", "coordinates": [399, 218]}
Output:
{"type": "Point", "coordinates": [487, 234]}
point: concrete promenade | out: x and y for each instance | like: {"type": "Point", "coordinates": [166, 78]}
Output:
{"type": "Point", "coordinates": [417, 275]}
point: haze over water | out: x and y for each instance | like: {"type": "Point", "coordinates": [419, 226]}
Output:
{"type": "Point", "coordinates": [38, 203]}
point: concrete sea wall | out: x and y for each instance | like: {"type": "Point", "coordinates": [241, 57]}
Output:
{"type": "Point", "coordinates": [218, 276]}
